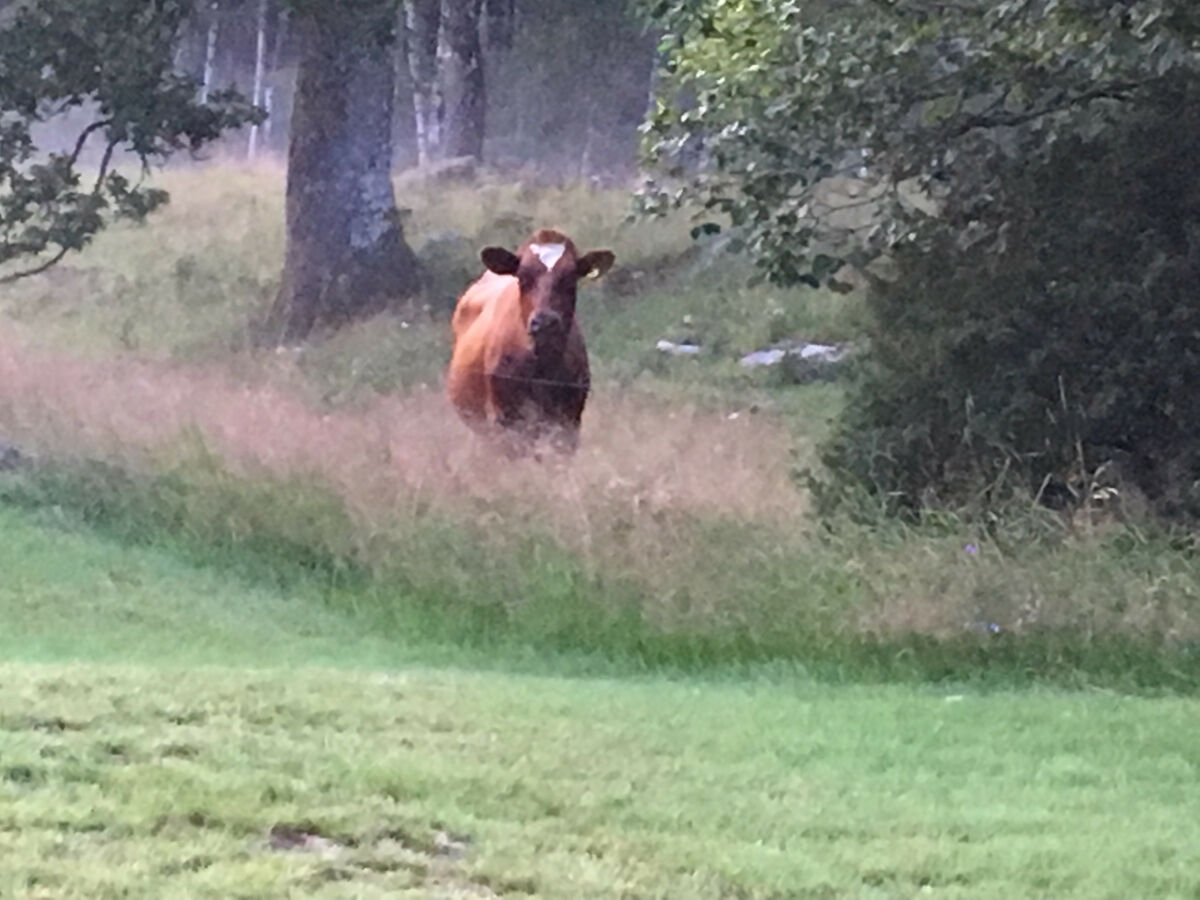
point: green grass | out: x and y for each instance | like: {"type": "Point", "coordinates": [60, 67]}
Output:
{"type": "Point", "coordinates": [192, 283]}
{"type": "Point", "coordinates": [169, 729]}
{"type": "Point", "coordinates": [67, 594]}
{"type": "Point", "coordinates": [434, 581]}
{"type": "Point", "coordinates": [655, 678]}
{"type": "Point", "coordinates": [678, 538]}
{"type": "Point", "coordinates": [163, 782]}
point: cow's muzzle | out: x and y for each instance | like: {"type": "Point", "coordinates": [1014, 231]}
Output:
{"type": "Point", "coordinates": [544, 324]}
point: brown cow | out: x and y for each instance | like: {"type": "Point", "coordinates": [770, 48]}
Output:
{"type": "Point", "coordinates": [519, 359]}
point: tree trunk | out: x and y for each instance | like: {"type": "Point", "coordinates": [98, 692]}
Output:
{"type": "Point", "coordinates": [260, 53]}
{"type": "Point", "coordinates": [346, 256]}
{"type": "Point", "coordinates": [278, 42]}
{"type": "Point", "coordinates": [210, 50]}
{"type": "Point", "coordinates": [424, 22]}
{"type": "Point", "coordinates": [589, 148]}
{"type": "Point", "coordinates": [403, 133]}
{"type": "Point", "coordinates": [462, 79]}
{"type": "Point", "coordinates": [501, 15]}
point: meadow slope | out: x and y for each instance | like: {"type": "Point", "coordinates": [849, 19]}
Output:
{"type": "Point", "coordinates": [170, 730]}
{"type": "Point", "coordinates": [271, 625]}
{"type": "Point", "coordinates": [680, 534]}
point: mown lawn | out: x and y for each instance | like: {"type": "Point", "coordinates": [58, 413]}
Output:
{"type": "Point", "coordinates": [162, 781]}
{"type": "Point", "coordinates": [256, 745]}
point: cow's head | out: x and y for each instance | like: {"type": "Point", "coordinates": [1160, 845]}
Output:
{"type": "Point", "coordinates": [548, 269]}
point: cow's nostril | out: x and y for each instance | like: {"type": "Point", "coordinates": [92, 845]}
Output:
{"type": "Point", "coordinates": [543, 321]}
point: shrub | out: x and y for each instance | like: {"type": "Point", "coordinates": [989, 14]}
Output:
{"type": "Point", "coordinates": [1064, 352]}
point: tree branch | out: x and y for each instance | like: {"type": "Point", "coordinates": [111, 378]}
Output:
{"type": "Point", "coordinates": [1011, 119]}
{"type": "Point", "coordinates": [105, 161]}
{"type": "Point", "coordinates": [36, 270]}
{"type": "Point", "coordinates": [84, 135]}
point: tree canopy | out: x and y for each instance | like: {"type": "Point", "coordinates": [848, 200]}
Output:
{"type": "Point", "coordinates": [922, 98]}
{"type": "Point", "coordinates": [111, 60]}
{"type": "Point", "coordinates": [140, 78]}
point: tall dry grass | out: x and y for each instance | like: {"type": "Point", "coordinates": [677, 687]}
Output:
{"type": "Point", "coordinates": [694, 510]}
{"type": "Point", "coordinates": [628, 501]}
{"type": "Point", "coordinates": [648, 459]}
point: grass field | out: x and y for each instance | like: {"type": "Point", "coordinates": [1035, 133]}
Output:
{"type": "Point", "coordinates": [272, 625]}
{"type": "Point", "coordinates": [168, 730]}
{"type": "Point", "coordinates": [681, 518]}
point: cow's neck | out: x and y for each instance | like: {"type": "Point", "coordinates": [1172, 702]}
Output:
{"type": "Point", "coordinates": [547, 357]}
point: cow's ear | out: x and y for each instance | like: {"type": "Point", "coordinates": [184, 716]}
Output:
{"type": "Point", "coordinates": [596, 263]}
{"type": "Point", "coordinates": [500, 261]}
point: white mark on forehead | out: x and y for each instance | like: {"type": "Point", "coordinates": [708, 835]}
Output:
{"type": "Point", "coordinates": [549, 254]}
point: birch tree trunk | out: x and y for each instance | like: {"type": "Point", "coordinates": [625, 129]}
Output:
{"type": "Point", "coordinates": [462, 79]}
{"type": "Point", "coordinates": [346, 258]}
{"type": "Point", "coordinates": [260, 53]}
{"type": "Point", "coordinates": [210, 50]}
{"type": "Point", "coordinates": [278, 42]}
{"type": "Point", "coordinates": [424, 23]}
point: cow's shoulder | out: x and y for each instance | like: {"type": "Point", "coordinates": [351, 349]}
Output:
{"type": "Point", "coordinates": [487, 298]}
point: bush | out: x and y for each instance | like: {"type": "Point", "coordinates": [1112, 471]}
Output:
{"type": "Point", "coordinates": [1061, 358]}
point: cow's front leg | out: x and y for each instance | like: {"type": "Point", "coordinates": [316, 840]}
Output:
{"type": "Point", "coordinates": [511, 388]}
{"type": "Point", "coordinates": [564, 413]}
{"type": "Point", "coordinates": [564, 438]}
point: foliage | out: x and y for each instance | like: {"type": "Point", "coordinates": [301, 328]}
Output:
{"type": "Point", "coordinates": [916, 98]}
{"type": "Point", "coordinates": [1017, 180]}
{"type": "Point", "coordinates": [1070, 348]}
{"type": "Point", "coordinates": [111, 59]}
{"type": "Point", "coordinates": [864, 605]}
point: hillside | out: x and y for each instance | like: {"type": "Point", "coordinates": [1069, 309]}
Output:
{"type": "Point", "coordinates": [170, 730]}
